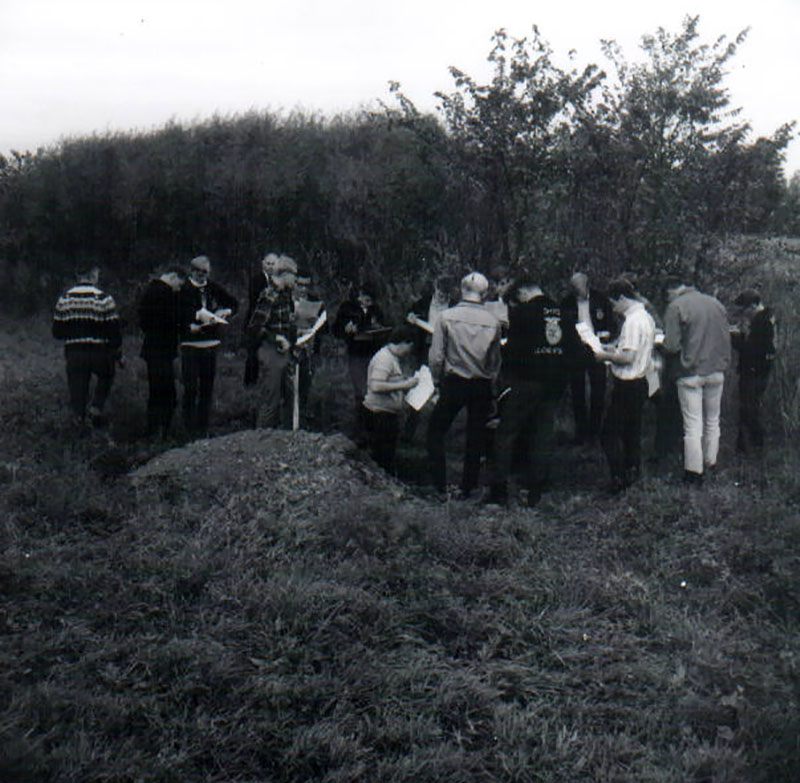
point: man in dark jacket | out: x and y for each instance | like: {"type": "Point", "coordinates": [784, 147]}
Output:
{"type": "Point", "coordinates": [258, 282]}
{"type": "Point", "coordinates": [159, 320]}
{"type": "Point", "coordinates": [359, 322]}
{"type": "Point", "coordinates": [535, 367]}
{"type": "Point", "coordinates": [204, 308]}
{"type": "Point", "coordinates": [86, 320]}
{"type": "Point", "coordinates": [754, 341]}
{"type": "Point", "coordinates": [589, 306]}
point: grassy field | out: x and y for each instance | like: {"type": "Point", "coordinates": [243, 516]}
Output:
{"type": "Point", "coordinates": [267, 607]}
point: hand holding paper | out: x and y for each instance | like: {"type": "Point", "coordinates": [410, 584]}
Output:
{"type": "Point", "coordinates": [417, 396]}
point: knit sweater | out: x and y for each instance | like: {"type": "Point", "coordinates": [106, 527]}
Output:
{"type": "Point", "coordinates": [85, 315]}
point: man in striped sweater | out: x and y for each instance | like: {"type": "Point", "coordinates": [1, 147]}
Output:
{"type": "Point", "coordinates": [86, 320]}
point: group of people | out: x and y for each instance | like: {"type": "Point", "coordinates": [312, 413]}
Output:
{"type": "Point", "coordinates": [508, 359]}
{"type": "Point", "coordinates": [181, 313]}
{"type": "Point", "coordinates": [504, 351]}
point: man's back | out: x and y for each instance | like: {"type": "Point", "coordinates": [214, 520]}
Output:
{"type": "Point", "coordinates": [466, 342]}
{"type": "Point", "coordinates": [697, 325]}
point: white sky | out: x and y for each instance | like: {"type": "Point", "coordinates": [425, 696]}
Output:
{"type": "Point", "coordinates": [73, 67]}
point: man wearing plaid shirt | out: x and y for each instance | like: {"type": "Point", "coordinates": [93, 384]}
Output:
{"type": "Point", "coordinates": [272, 328]}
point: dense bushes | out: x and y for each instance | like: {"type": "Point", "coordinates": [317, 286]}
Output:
{"type": "Point", "coordinates": [639, 171]}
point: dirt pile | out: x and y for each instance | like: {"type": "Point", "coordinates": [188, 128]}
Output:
{"type": "Point", "coordinates": [272, 468]}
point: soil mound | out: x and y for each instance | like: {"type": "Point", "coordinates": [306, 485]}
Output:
{"type": "Point", "coordinates": [267, 467]}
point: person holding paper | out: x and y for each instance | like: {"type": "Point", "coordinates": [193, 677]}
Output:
{"type": "Point", "coordinates": [424, 313]}
{"type": "Point", "coordinates": [383, 401]}
{"type": "Point", "coordinates": [359, 323]}
{"type": "Point", "coordinates": [535, 368]}
{"type": "Point", "coordinates": [631, 361]}
{"type": "Point", "coordinates": [258, 283]}
{"type": "Point", "coordinates": [204, 307]}
{"type": "Point", "coordinates": [588, 306]}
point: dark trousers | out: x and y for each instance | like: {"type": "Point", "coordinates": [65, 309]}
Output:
{"type": "Point", "coordinates": [455, 393]}
{"type": "Point", "coordinates": [588, 422]}
{"type": "Point", "coordinates": [357, 366]}
{"type": "Point", "coordinates": [528, 415]}
{"type": "Point", "coordinates": [382, 430]}
{"type": "Point", "coordinates": [84, 361]}
{"type": "Point", "coordinates": [622, 429]}
{"type": "Point", "coordinates": [162, 396]}
{"type": "Point", "coordinates": [751, 395]}
{"type": "Point", "coordinates": [198, 369]}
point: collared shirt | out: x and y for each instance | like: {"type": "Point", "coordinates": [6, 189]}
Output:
{"type": "Point", "coordinates": [697, 325]}
{"type": "Point", "coordinates": [274, 312]}
{"type": "Point", "coordinates": [466, 342]}
{"type": "Point", "coordinates": [638, 335]}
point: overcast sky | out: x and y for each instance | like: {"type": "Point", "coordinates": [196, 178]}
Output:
{"type": "Point", "coordinates": [74, 67]}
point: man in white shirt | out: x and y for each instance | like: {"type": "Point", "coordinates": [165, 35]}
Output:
{"type": "Point", "coordinates": [631, 360]}
{"type": "Point", "coordinates": [585, 304]}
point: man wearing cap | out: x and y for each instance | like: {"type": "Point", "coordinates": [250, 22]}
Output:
{"type": "Point", "coordinates": [273, 330]}
{"type": "Point", "coordinates": [754, 341]}
{"type": "Point", "coordinates": [203, 307]}
{"type": "Point", "coordinates": [696, 328]}
{"type": "Point", "coordinates": [465, 361]}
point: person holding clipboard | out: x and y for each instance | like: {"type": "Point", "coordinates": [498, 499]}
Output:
{"type": "Point", "coordinates": [359, 322]}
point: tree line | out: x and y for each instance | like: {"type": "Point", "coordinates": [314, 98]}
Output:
{"type": "Point", "coordinates": [637, 168]}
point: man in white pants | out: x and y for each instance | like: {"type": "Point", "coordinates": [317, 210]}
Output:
{"type": "Point", "coordinates": [696, 326]}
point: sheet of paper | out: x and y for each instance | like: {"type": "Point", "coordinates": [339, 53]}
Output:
{"type": "Point", "coordinates": [205, 316]}
{"type": "Point", "coordinates": [423, 391]}
{"type": "Point", "coordinates": [318, 324]}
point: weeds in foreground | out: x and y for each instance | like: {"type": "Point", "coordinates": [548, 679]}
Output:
{"type": "Point", "coordinates": [281, 623]}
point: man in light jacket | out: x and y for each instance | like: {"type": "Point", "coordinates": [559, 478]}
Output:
{"type": "Point", "coordinates": [696, 327]}
{"type": "Point", "coordinates": [465, 361]}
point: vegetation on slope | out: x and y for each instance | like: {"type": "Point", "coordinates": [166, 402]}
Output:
{"type": "Point", "coordinates": [267, 606]}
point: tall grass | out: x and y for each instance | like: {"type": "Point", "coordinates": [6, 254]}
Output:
{"type": "Point", "coordinates": [268, 607]}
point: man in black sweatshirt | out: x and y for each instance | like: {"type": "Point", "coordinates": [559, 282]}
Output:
{"type": "Point", "coordinates": [754, 340]}
{"type": "Point", "coordinates": [159, 321]}
{"type": "Point", "coordinates": [535, 367]}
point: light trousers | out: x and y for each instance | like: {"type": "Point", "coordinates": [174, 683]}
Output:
{"type": "Point", "coordinates": [700, 397]}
